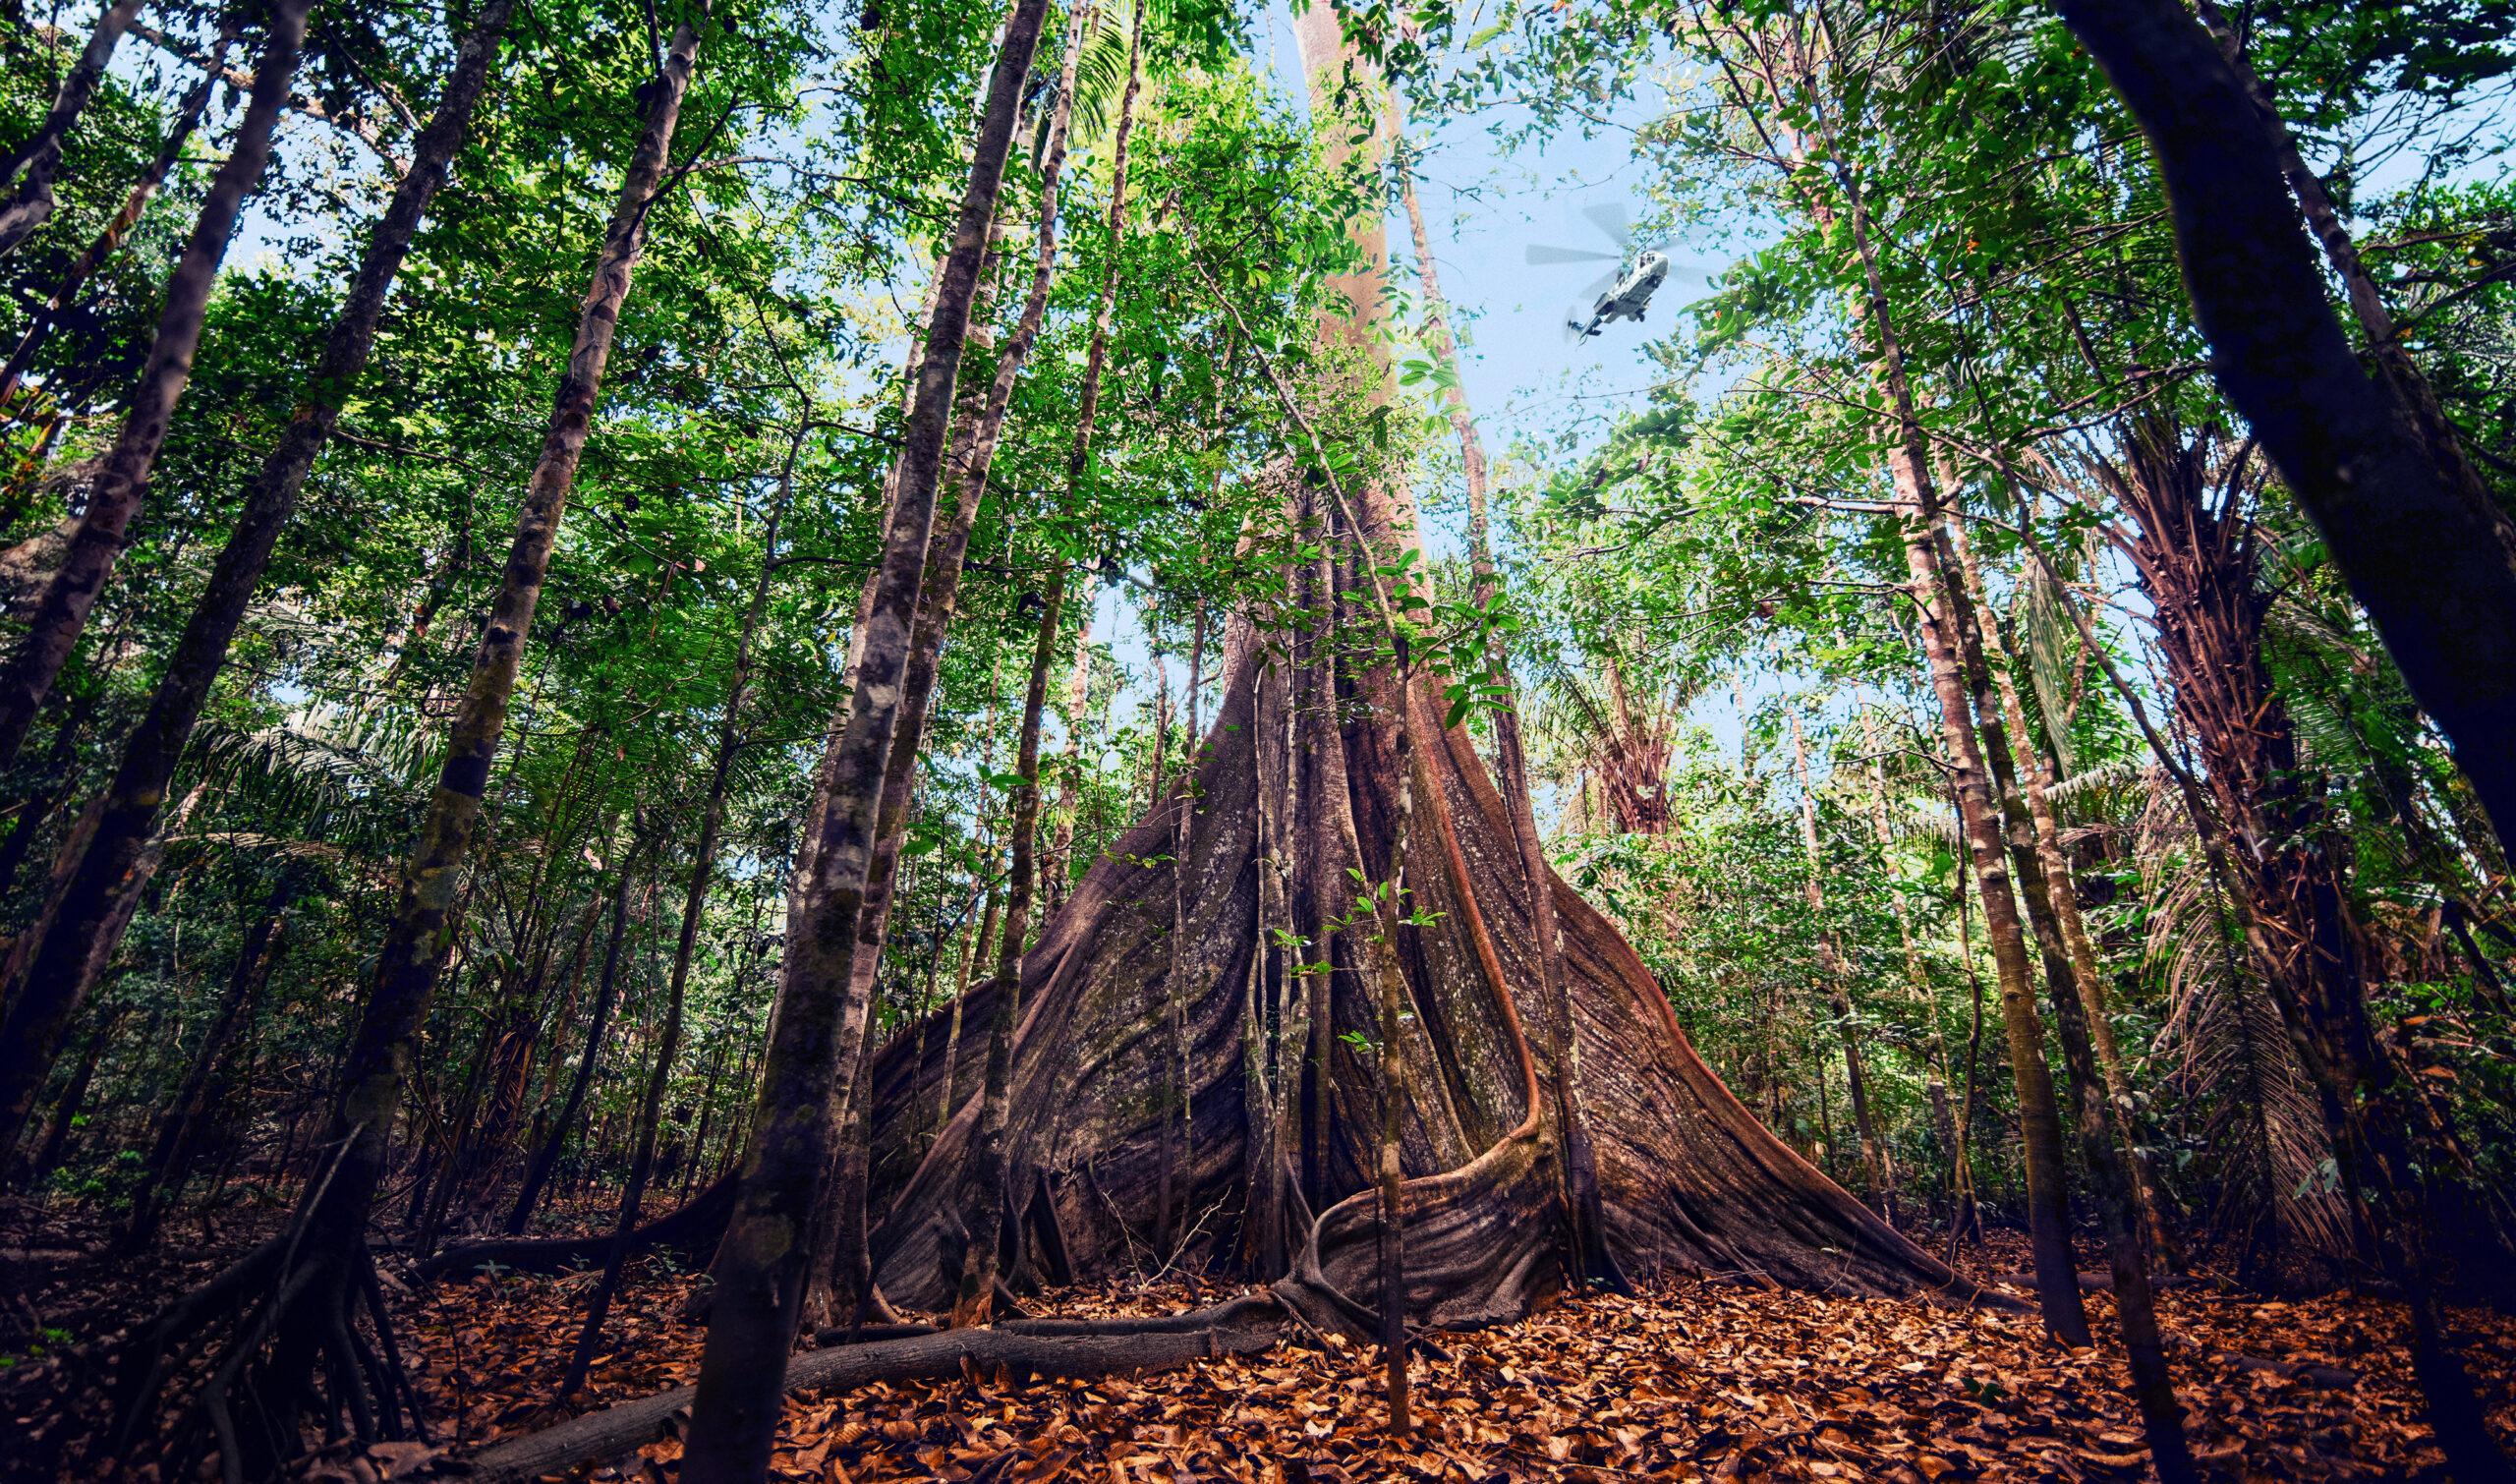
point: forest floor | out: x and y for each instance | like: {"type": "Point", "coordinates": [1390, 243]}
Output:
{"type": "Point", "coordinates": [1689, 1380]}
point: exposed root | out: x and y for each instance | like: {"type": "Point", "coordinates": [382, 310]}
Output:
{"type": "Point", "coordinates": [692, 1229]}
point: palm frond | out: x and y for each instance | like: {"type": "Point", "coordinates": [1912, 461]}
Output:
{"type": "Point", "coordinates": [2277, 1202]}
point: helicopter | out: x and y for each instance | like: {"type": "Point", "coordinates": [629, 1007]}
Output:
{"type": "Point", "coordinates": [1623, 292]}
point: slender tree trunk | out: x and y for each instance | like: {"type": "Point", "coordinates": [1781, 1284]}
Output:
{"type": "Point", "coordinates": [766, 1257]}
{"type": "Point", "coordinates": [114, 497]}
{"type": "Point", "coordinates": [1943, 632]}
{"type": "Point", "coordinates": [949, 1097]}
{"type": "Point", "coordinates": [2433, 565]}
{"type": "Point", "coordinates": [537, 1175]}
{"type": "Point", "coordinates": [162, 1175]}
{"type": "Point", "coordinates": [972, 455]}
{"type": "Point", "coordinates": [2106, 1156]}
{"type": "Point", "coordinates": [1875, 1163]}
{"type": "Point", "coordinates": [985, 1217]}
{"type": "Point", "coordinates": [990, 1195]}
{"type": "Point", "coordinates": [65, 291]}
{"type": "Point", "coordinates": [374, 1074]}
{"type": "Point", "coordinates": [33, 165]}
{"type": "Point", "coordinates": [56, 1144]}
{"type": "Point", "coordinates": [2086, 974]}
{"type": "Point", "coordinates": [693, 911]}
{"type": "Point", "coordinates": [1059, 867]}
{"type": "Point", "coordinates": [1935, 1068]}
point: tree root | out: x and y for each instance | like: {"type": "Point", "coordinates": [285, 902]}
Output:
{"type": "Point", "coordinates": [692, 1229]}
{"type": "Point", "coordinates": [1241, 1327]}
{"type": "Point", "coordinates": [248, 1407]}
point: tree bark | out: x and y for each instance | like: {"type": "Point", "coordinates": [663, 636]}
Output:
{"type": "Point", "coordinates": [65, 289]}
{"type": "Point", "coordinates": [31, 166]}
{"type": "Point", "coordinates": [1944, 629]}
{"type": "Point", "coordinates": [761, 1270]}
{"type": "Point", "coordinates": [83, 918]}
{"type": "Point", "coordinates": [114, 497]}
{"type": "Point", "coordinates": [333, 1217]}
{"type": "Point", "coordinates": [1878, 1166]}
{"type": "Point", "coordinates": [2435, 567]}
{"type": "Point", "coordinates": [177, 1126]}
{"type": "Point", "coordinates": [976, 431]}
{"type": "Point", "coordinates": [536, 1175]}
{"type": "Point", "coordinates": [2267, 843]}
{"type": "Point", "coordinates": [2063, 896]}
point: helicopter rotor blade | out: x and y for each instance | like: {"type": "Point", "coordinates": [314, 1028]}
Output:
{"type": "Point", "coordinates": [1610, 217]}
{"type": "Point", "coordinates": [1577, 315]}
{"type": "Point", "coordinates": [1546, 254]}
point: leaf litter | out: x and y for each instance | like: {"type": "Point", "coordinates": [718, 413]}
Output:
{"type": "Point", "coordinates": [1689, 1380]}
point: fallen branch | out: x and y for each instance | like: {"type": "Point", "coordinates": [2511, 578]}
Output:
{"type": "Point", "coordinates": [1241, 1327]}
{"type": "Point", "coordinates": [692, 1229]}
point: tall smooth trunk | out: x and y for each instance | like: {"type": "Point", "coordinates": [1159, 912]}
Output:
{"type": "Point", "coordinates": [976, 431]}
{"type": "Point", "coordinates": [377, 1071]}
{"type": "Point", "coordinates": [545, 1158]}
{"type": "Point", "coordinates": [1943, 633]}
{"type": "Point", "coordinates": [79, 927]}
{"type": "Point", "coordinates": [2085, 973]}
{"type": "Point", "coordinates": [2106, 1156]}
{"type": "Point", "coordinates": [766, 1255]}
{"type": "Point", "coordinates": [114, 495]}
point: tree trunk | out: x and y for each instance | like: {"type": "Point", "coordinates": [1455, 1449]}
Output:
{"type": "Point", "coordinates": [31, 166]}
{"type": "Point", "coordinates": [1944, 615]}
{"type": "Point", "coordinates": [114, 497]}
{"type": "Point", "coordinates": [2295, 909]}
{"type": "Point", "coordinates": [976, 431]}
{"type": "Point", "coordinates": [2063, 896]}
{"type": "Point", "coordinates": [990, 1193]}
{"type": "Point", "coordinates": [307, 1302]}
{"type": "Point", "coordinates": [761, 1270]}
{"type": "Point", "coordinates": [2433, 565]}
{"type": "Point", "coordinates": [545, 1158]}
{"type": "Point", "coordinates": [1058, 866]}
{"type": "Point", "coordinates": [1876, 1164]}
{"type": "Point", "coordinates": [694, 911]}
{"type": "Point", "coordinates": [73, 278]}
{"type": "Point", "coordinates": [56, 1144]}
{"type": "Point", "coordinates": [1582, 1209]}
{"type": "Point", "coordinates": [1688, 1180]}
{"type": "Point", "coordinates": [1935, 1068]}
{"type": "Point", "coordinates": [170, 1151]}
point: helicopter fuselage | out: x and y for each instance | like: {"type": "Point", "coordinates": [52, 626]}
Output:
{"type": "Point", "coordinates": [1629, 295]}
